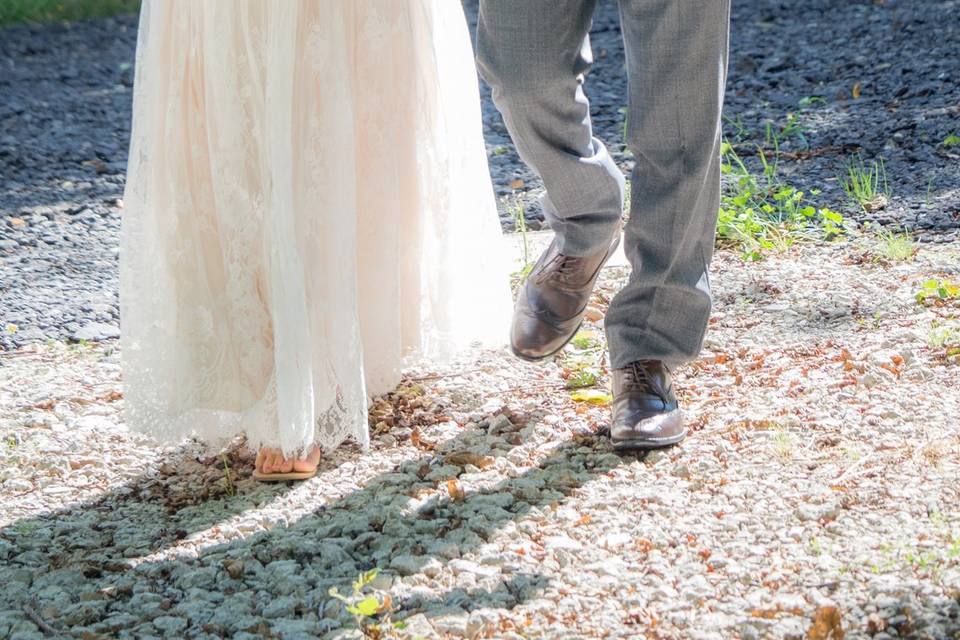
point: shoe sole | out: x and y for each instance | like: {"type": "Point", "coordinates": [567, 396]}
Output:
{"type": "Point", "coordinates": [552, 354]}
{"type": "Point", "coordinates": [647, 444]}
{"type": "Point", "coordinates": [282, 477]}
{"type": "Point", "coordinates": [548, 356]}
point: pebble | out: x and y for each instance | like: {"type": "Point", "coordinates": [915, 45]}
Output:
{"type": "Point", "coordinates": [170, 625]}
{"type": "Point", "coordinates": [96, 331]}
{"type": "Point", "coordinates": [407, 565]}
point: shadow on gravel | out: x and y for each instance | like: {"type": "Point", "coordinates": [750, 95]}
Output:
{"type": "Point", "coordinates": [154, 511]}
{"type": "Point", "coordinates": [77, 570]}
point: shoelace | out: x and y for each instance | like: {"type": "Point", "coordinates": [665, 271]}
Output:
{"type": "Point", "coordinates": [560, 267]}
{"type": "Point", "coordinates": [638, 379]}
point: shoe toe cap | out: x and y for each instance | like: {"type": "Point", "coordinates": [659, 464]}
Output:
{"type": "Point", "coordinates": [645, 426]}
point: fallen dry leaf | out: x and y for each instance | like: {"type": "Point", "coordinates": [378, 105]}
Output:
{"type": "Point", "coordinates": [456, 491]}
{"type": "Point", "coordinates": [592, 396]}
{"type": "Point", "coordinates": [417, 440]}
{"type": "Point", "coordinates": [827, 624]}
{"type": "Point", "coordinates": [593, 314]}
{"type": "Point", "coordinates": [876, 204]}
{"type": "Point", "coordinates": [462, 458]}
{"type": "Point", "coordinates": [875, 624]}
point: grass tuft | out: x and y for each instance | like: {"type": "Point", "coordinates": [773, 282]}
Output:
{"type": "Point", "coordinates": [896, 247]}
{"type": "Point", "coordinates": [13, 11]}
{"type": "Point", "coordinates": [866, 184]}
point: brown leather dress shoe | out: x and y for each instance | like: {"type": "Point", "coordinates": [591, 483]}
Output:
{"type": "Point", "coordinates": [551, 305]}
{"type": "Point", "coordinates": [645, 410]}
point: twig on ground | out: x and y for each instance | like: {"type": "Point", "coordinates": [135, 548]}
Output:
{"type": "Point", "coordinates": [812, 153]}
{"type": "Point", "coordinates": [849, 473]}
{"type": "Point", "coordinates": [441, 376]}
{"type": "Point", "coordinates": [39, 621]}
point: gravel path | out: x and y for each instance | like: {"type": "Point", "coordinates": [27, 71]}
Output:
{"type": "Point", "coordinates": [817, 491]}
{"type": "Point", "coordinates": [65, 110]}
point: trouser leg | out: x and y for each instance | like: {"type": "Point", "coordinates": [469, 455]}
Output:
{"type": "Point", "coordinates": [535, 54]}
{"type": "Point", "coordinates": [676, 62]}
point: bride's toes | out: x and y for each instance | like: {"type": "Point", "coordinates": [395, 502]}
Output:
{"type": "Point", "coordinates": [285, 465]}
{"type": "Point", "coordinates": [276, 459]}
{"type": "Point", "coordinates": [309, 463]}
{"type": "Point", "coordinates": [270, 460]}
{"type": "Point", "coordinates": [266, 460]}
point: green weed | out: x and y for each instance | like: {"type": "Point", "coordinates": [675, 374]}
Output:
{"type": "Point", "coordinates": [758, 212]}
{"type": "Point", "coordinates": [583, 378]}
{"type": "Point", "coordinates": [783, 442]}
{"type": "Point", "coordinates": [951, 141]}
{"type": "Point", "coordinates": [584, 368]}
{"type": "Point", "coordinates": [518, 213]}
{"type": "Point", "coordinates": [816, 547]}
{"type": "Point", "coordinates": [896, 247]}
{"type": "Point", "coordinates": [792, 128]}
{"type": "Point", "coordinates": [231, 487]}
{"type": "Point", "coordinates": [944, 336]}
{"type": "Point", "coordinates": [740, 131]}
{"type": "Point", "coordinates": [587, 340]}
{"type": "Point", "coordinates": [934, 291]}
{"type": "Point", "coordinates": [370, 612]}
{"type": "Point", "coordinates": [809, 101]}
{"type": "Point", "coordinates": [866, 184]}
{"type": "Point", "coordinates": [625, 127]}
{"type": "Point", "coordinates": [928, 560]}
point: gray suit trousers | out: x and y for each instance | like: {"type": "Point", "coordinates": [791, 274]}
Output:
{"type": "Point", "coordinates": [535, 55]}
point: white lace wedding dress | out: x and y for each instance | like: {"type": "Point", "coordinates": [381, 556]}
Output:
{"type": "Point", "coordinates": [307, 205]}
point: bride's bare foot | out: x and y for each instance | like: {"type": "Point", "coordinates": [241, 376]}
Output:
{"type": "Point", "coordinates": [272, 461]}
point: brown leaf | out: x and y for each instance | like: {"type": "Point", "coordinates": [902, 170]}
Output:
{"type": "Point", "coordinates": [855, 92]}
{"type": "Point", "coordinates": [18, 222]}
{"type": "Point", "coordinates": [97, 164]}
{"type": "Point", "coordinates": [463, 458]}
{"type": "Point", "coordinates": [516, 184]}
{"type": "Point", "coordinates": [593, 314]}
{"type": "Point", "coordinates": [766, 614]}
{"type": "Point", "coordinates": [417, 440]}
{"type": "Point", "coordinates": [876, 204]}
{"type": "Point", "coordinates": [827, 624]}
{"type": "Point", "coordinates": [456, 491]}
{"type": "Point", "coordinates": [875, 624]}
